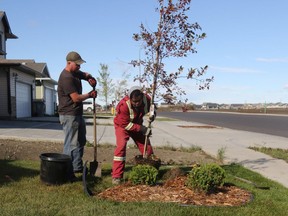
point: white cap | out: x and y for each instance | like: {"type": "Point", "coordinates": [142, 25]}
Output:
{"type": "Point", "coordinates": [133, 88]}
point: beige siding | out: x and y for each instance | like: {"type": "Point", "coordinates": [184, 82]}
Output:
{"type": "Point", "coordinates": [39, 92]}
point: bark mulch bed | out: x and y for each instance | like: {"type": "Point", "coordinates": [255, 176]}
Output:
{"type": "Point", "coordinates": [174, 190]}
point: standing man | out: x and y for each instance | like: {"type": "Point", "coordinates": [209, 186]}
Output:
{"type": "Point", "coordinates": [128, 123]}
{"type": "Point", "coordinates": [70, 108]}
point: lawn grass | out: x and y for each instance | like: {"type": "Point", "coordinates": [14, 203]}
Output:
{"type": "Point", "coordinates": [166, 119]}
{"type": "Point", "coordinates": [273, 152]}
{"type": "Point", "coordinates": [22, 193]}
{"type": "Point", "coordinates": [181, 148]}
{"type": "Point", "coordinates": [98, 115]}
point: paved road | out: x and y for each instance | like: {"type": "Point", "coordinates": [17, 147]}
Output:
{"type": "Point", "coordinates": [261, 123]}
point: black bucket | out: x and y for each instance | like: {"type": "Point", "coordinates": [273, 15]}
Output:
{"type": "Point", "coordinates": [55, 168]}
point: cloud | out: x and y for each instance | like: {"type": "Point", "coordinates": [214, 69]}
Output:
{"type": "Point", "coordinates": [283, 60]}
{"type": "Point", "coordinates": [286, 86]}
{"type": "Point", "coordinates": [234, 70]}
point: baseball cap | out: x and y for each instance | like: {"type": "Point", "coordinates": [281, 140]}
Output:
{"type": "Point", "coordinates": [74, 57]}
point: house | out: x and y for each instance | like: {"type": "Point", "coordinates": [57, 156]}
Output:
{"type": "Point", "coordinates": [209, 106]}
{"type": "Point", "coordinates": [45, 89]}
{"type": "Point", "coordinates": [26, 88]}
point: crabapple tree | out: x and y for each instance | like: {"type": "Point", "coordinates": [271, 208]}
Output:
{"type": "Point", "coordinates": [174, 37]}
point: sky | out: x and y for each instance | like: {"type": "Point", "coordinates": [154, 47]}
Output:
{"type": "Point", "coordinates": [246, 48]}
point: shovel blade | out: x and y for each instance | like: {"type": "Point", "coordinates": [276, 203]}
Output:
{"type": "Point", "coordinates": [87, 191]}
{"type": "Point", "coordinates": [95, 169]}
{"type": "Point", "coordinates": [98, 172]}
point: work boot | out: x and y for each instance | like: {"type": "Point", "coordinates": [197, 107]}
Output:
{"type": "Point", "coordinates": [116, 181]}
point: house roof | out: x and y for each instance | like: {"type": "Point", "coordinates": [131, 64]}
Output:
{"type": "Point", "coordinates": [29, 66]}
{"type": "Point", "coordinates": [20, 65]}
{"type": "Point", "coordinates": [41, 67]}
{"type": "Point", "coordinates": [8, 32]}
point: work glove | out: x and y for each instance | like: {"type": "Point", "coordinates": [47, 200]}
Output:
{"type": "Point", "coordinates": [152, 117]}
{"type": "Point", "coordinates": [92, 94]}
{"type": "Point", "coordinates": [152, 113]}
{"type": "Point", "coordinates": [146, 130]}
{"type": "Point", "coordinates": [91, 80]}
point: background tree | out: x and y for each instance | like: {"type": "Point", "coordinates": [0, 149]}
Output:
{"type": "Point", "coordinates": [121, 86]}
{"type": "Point", "coordinates": [174, 37]}
{"type": "Point", "coordinates": [106, 87]}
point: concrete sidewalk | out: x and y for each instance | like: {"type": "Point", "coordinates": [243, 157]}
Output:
{"type": "Point", "coordinates": [172, 133]}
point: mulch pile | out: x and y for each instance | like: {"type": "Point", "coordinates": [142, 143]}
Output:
{"type": "Point", "coordinates": [174, 190]}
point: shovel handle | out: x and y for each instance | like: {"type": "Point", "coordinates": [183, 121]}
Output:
{"type": "Point", "coordinates": [145, 148]}
{"type": "Point", "coordinates": [145, 144]}
{"type": "Point", "coordinates": [94, 128]}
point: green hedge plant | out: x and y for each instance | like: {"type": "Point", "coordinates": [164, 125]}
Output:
{"type": "Point", "coordinates": [206, 177]}
{"type": "Point", "coordinates": [143, 174]}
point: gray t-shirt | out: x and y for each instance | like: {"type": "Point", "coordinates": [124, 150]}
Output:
{"type": "Point", "coordinates": [68, 83]}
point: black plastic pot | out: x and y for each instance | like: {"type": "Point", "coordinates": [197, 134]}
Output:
{"type": "Point", "coordinates": [55, 168]}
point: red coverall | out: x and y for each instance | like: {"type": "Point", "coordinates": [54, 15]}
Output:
{"type": "Point", "coordinates": [127, 124]}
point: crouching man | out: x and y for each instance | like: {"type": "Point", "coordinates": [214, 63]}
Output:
{"type": "Point", "coordinates": [128, 122]}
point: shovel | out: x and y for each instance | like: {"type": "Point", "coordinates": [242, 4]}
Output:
{"type": "Point", "coordinates": [95, 166]}
{"type": "Point", "coordinates": [87, 191]}
{"type": "Point", "coordinates": [144, 158]}
{"type": "Point", "coordinates": [145, 145]}
{"type": "Point", "coordinates": [151, 113]}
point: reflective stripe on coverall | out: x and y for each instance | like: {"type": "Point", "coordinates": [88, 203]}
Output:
{"type": "Point", "coordinates": [131, 112]}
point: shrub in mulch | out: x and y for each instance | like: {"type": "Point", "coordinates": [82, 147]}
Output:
{"type": "Point", "coordinates": [143, 174]}
{"type": "Point", "coordinates": [174, 189]}
{"type": "Point", "coordinates": [206, 178]}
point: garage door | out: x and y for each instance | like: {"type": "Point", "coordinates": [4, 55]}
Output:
{"type": "Point", "coordinates": [23, 100]}
{"type": "Point", "coordinates": [49, 101]}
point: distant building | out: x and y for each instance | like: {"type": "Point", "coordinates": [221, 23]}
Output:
{"type": "Point", "coordinates": [208, 106]}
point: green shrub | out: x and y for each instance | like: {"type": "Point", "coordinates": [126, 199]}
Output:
{"type": "Point", "coordinates": [143, 174]}
{"type": "Point", "coordinates": [206, 177]}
